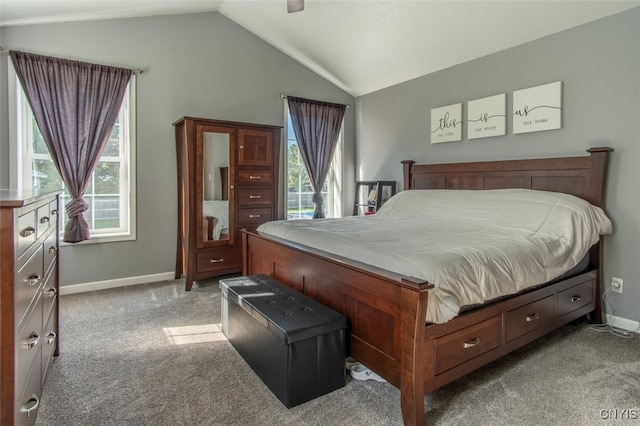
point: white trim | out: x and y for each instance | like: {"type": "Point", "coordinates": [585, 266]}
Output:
{"type": "Point", "coordinates": [623, 323]}
{"type": "Point", "coordinates": [119, 282]}
{"type": "Point", "coordinates": [15, 166]}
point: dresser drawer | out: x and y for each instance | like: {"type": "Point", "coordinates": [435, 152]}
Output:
{"type": "Point", "coordinates": [26, 231]}
{"type": "Point", "coordinates": [28, 342]}
{"type": "Point", "coordinates": [218, 260]}
{"type": "Point", "coordinates": [28, 403]}
{"type": "Point", "coordinates": [254, 196]}
{"type": "Point", "coordinates": [28, 284]}
{"type": "Point", "coordinates": [574, 298]}
{"type": "Point", "coordinates": [49, 341]}
{"type": "Point", "coordinates": [462, 345]}
{"type": "Point", "coordinates": [49, 294]}
{"type": "Point", "coordinates": [254, 216]}
{"type": "Point", "coordinates": [50, 251]}
{"type": "Point", "coordinates": [255, 177]}
{"type": "Point", "coordinates": [530, 317]}
{"type": "Point", "coordinates": [43, 220]}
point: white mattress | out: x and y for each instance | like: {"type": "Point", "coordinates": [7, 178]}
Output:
{"type": "Point", "coordinates": [473, 246]}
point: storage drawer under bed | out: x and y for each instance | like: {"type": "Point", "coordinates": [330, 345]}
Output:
{"type": "Point", "coordinates": [460, 346]}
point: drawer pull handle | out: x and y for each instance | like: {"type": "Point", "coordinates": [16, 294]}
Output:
{"type": "Point", "coordinates": [44, 219]}
{"type": "Point", "coordinates": [31, 405]}
{"type": "Point", "coordinates": [33, 280]}
{"type": "Point", "coordinates": [54, 212]}
{"type": "Point", "coordinates": [253, 216]}
{"type": "Point", "coordinates": [51, 292]}
{"type": "Point", "coordinates": [51, 337]}
{"type": "Point", "coordinates": [255, 177]}
{"type": "Point", "coordinates": [52, 250]}
{"type": "Point", "coordinates": [33, 340]}
{"type": "Point", "coordinates": [533, 317]}
{"type": "Point", "coordinates": [254, 197]}
{"type": "Point", "coordinates": [217, 260]}
{"type": "Point", "coordinates": [28, 231]}
{"type": "Point", "coordinates": [471, 343]}
{"type": "Point", "coordinates": [576, 298]}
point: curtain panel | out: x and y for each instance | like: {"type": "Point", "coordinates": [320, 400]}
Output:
{"type": "Point", "coordinates": [75, 105]}
{"type": "Point", "coordinates": [316, 125]}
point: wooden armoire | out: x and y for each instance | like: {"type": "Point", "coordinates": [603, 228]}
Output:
{"type": "Point", "coordinates": [227, 181]}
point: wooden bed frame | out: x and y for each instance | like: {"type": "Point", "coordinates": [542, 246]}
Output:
{"type": "Point", "coordinates": [387, 311]}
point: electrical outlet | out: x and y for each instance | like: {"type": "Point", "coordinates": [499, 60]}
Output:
{"type": "Point", "coordinates": [617, 284]}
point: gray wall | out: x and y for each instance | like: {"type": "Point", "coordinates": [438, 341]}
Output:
{"type": "Point", "coordinates": [201, 65]}
{"type": "Point", "coordinates": [599, 65]}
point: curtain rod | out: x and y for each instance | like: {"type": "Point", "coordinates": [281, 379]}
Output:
{"type": "Point", "coordinates": [135, 71]}
{"type": "Point", "coordinates": [283, 96]}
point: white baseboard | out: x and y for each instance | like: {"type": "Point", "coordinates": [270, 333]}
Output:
{"type": "Point", "coordinates": [623, 323]}
{"type": "Point", "coordinates": [120, 282]}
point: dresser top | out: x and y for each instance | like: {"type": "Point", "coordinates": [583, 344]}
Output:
{"type": "Point", "coordinates": [20, 197]}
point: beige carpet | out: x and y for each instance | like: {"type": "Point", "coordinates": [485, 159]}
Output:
{"type": "Point", "coordinates": [152, 354]}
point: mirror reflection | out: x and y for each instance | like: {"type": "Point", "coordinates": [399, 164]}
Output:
{"type": "Point", "coordinates": [215, 208]}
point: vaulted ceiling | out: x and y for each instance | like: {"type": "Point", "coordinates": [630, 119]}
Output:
{"type": "Point", "coordinates": [359, 45]}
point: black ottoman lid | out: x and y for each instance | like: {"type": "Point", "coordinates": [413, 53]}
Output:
{"type": "Point", "coordinates": [287, 313]}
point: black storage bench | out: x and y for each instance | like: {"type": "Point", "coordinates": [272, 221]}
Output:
{"type": "Point", "coordinates": [295, 344]}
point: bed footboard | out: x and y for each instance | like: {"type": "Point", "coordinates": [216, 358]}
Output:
{"type": "Point", "coordinates": [386, 311]}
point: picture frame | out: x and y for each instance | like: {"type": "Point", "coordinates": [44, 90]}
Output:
{"type": "Point", "coordinates": [446, 123]}
{"type": "Point", "coordinates": [537, 108]}
{"type": "Point", "coordinates": [487, 117]}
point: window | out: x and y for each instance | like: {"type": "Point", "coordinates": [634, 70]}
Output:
{"type": "Point", "coordinates": [299, 191]}
{"type": "Point", "coordinates": [110, 193]}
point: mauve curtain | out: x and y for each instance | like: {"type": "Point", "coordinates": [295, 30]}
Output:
{"type": "Point", "coordinates": [317, 127]}
{"type": "Point", "coordinates": [76, 105]}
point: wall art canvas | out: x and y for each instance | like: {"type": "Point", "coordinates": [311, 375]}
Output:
{"type": "Point", "coordinates": [446, 123]}
{"type": "Point", "coordinates": [487, 117]}
{"type": "Point", "coordinates": [537, 108]}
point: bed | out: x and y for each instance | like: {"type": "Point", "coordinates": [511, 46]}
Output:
{"type": "Point", "coordinates": [387, 310]}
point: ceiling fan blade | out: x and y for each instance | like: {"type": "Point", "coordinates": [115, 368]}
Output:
{"type": "Point", "coordinates": [295, 6]}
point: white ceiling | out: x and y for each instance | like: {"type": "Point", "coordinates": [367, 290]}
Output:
{"type": "Point", "coordinates": [359, 45]}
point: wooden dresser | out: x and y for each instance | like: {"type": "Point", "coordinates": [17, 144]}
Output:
{"type": "Point", "coordinates": [246, 156]}
{"type": "Point", "coordinates": [28, 300]}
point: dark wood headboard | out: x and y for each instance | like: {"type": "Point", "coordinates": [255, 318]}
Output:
{"type": "Point", "coordinates": [584, 177]}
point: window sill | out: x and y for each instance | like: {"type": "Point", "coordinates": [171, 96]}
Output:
{"type": "Point", "coordinates": [114, 238]}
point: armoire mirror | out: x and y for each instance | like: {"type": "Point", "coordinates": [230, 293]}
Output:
{"type": "Point", "coordinates": [213, 200]}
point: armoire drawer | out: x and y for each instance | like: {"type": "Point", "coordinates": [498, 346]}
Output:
{"type": "Point", "coordinates": [574, 298]}
{"type": "Point", "coordinates": [29, 280]}
{"type": "Point", "coordinates": [530, 317]}
{"type": "Point", "coordinates": [255, 177]}
{"type": "Point", "coordinates": [460, 346]}
{"type": "Point", "coordinates": [254, 196]}
{"type": "Point", "coordinates": [218, 260]}
{"type": "Point", "coordinates": [256, 216]}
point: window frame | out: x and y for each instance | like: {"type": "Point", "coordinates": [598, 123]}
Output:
{"type": "Point", "coordinates": [20, 117]}
{"type": "Point", "coordinates": [333, 201]}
